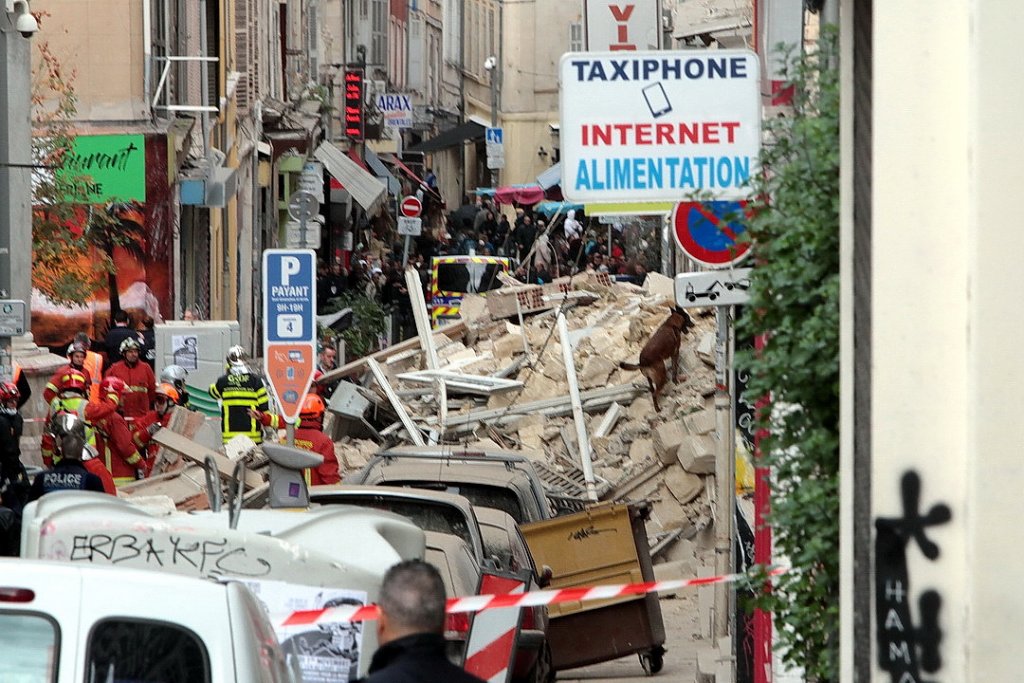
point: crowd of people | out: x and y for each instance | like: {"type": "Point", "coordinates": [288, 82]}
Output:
{"type": "Point", "coordinates": [539, 248]}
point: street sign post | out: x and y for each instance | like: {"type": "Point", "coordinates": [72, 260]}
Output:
{"type": "Point", "coordinates": [409, 223]}
{"type": "Point", "coordinates": [411, 207]}
{"type": "Point", "coordinates": [713, 288]}
{"type": "Point", "coordinates": [289, 327]}
{"type": "Point", "coordinates": [303, 206]}
{"type": "Point", "coordinates": [708, 232]}
{"type": "Point", "coordinates": [495, 142]}
{"type": "Point", "coordinates": [659, 125]}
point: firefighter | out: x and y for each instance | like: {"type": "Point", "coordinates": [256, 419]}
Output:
{"type": "Point", "coordinates": [93, 363]}
{"type": "Point", "coordinates": [149, 424]}
{"type": "Point", "coordinates": [58, 427]}
{"type": "Point", "coordinates": [176, 376]}
{"type": "Point", "coordinates": [115, 441]}
{"type": "Point", "coordinates": [73, 399]}
{"type": "Point", "coordinates": [140, 383]}
{"type": "Point", "coordinates": [13, 478]}
{"type": "Point", "coordinates": [239, 391]}
{"type": "Point", "coordinates": [309, 435]}
{"type": "Point", "coordinates": [76, 362]}
{"type": "Point", "coordinates": [68, 473]}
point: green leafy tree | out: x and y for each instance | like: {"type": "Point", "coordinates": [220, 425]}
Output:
{"type": "Point", "coordinates": [368, 324]}
{"type": "Point", "coordinates": [62, 267]}
{"type": "Point", "coordinates": [795, 302]}
{"type": "Point", "coordinates": [73, 240]}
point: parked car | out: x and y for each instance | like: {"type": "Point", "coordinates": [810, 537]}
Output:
{"type": "Point", "coordinates": [499, 479]}
{"type": "Point", "coordinates": [460, 572]}
{"type": "Point", "coordinates": [505, 544]}
{"type": "Point", "coordinates": [438, 511]}
{"type": "Point", "coordinates": [65, 623]}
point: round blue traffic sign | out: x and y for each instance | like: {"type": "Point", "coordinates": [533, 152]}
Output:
{"type": "Point", "coordinates": [709, 232]}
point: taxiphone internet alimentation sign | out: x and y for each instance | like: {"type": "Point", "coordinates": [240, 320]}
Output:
{"type": "Point", "coordinates": [659, 126]}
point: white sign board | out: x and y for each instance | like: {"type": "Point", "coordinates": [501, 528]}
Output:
{"type": "Point", "coordinates": [311, 179]}
{"type": "Point", "coordinates": [659, 126]}
{"type": "Point", "coordinates": [293, 235]}
{"type": "Point", "coordinates": [396, 108]}
{"type": "Point", "coordinates": [713, 288]}
{"type": "Point", "coordinates": [622, 25]}
{"type": "Point", "coordinates": [410, 226]}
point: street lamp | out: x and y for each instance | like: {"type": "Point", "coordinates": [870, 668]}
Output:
{"type": "Point", "coordinates": [490, 65]}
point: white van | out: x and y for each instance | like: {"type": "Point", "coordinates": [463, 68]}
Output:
{"type": "Point", "coordinates": [64, 623]}
{"type": "Point", "coordinates": [291, 559]}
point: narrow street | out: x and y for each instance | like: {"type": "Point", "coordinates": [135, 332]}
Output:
{"type": "Point", "coordinates": [680, 615]}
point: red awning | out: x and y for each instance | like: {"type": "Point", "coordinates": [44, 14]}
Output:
{"type": "Point", "coordinates": [527, 195]}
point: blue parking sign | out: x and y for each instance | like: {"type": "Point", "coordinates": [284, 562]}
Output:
{"type": "Point", "coordinates": [289, 295]}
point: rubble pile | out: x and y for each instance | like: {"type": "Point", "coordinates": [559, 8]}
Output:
{"type": "Point", "coordinates": [498, 380]}
{"type": "Point", "coordinates": [506, 387]}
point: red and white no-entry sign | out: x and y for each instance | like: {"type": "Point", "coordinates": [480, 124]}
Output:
{"type": "Point", "coordinates": [411, 207]}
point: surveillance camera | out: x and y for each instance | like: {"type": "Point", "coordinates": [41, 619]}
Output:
{"type": "Point", "coordinates": [490, 63]}
{"type": "Point", "coordinates": [26, 25]}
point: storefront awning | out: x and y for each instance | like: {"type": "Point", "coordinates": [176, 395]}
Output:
{"type": "Point", "coordinates": [550, 177]}
{"type": "Point", "coordinates": [470, 131]}
{"type": "Point", "coordinates": [382, 172]}
{"type": "Point", "coordinates": [367, 191]}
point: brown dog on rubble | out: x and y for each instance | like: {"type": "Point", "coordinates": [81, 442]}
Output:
{"type": "Point", "coordinates": [662, 345]}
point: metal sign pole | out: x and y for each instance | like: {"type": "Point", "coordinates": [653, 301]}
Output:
{"type": "Point", "coordinates": [725, 487]}
{"type": "Point", "coordinates": [289, 433]}
{"type": "Point", "coordinates": [405, 253]}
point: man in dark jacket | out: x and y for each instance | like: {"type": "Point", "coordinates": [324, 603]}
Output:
{"type": "Point", "coordinates": [121, 330]}
{"type": "Point", "coordinates": [410, 629]}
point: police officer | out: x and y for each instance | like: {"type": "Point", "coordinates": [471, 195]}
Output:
{"type": "Point", "coordinates": [69, 473]}
{"type": "Point", "coordinates": [239, 391]}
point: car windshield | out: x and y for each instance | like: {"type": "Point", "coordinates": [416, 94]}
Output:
{"type": "Point", "coordinates": [479, 495]}
{"type": "Point", "coordinates": [468, 277]}
{"type": "Point", "coordinates": [425, 514]}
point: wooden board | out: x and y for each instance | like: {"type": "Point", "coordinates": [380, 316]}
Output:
{"type": "Point", "coordinates": [197, 453]}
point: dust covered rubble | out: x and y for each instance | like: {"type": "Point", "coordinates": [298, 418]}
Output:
{"type": "Point", "coordinates": [663, 456]}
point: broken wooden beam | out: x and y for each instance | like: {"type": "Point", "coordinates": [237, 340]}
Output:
{"type": "Point", "coordinates": [357, 367]}
{"type": "Point", "coordinates": [396, 403]}
{"type": "Point", "coordinates": [197, 453]}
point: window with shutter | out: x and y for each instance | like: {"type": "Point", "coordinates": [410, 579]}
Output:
{"type": "Point", "coordinates": [243, 55]}
{"type": "Point", "coordinates": [575, 37]}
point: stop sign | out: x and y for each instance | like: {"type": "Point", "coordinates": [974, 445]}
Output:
{"type": "Point", "coordinates": [411, 207]}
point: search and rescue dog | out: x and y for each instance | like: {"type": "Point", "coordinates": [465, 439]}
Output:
{"type": "Point", "coordinates": [662, 345]}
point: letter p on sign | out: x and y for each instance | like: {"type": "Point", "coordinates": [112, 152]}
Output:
{"type": "Point", "coordinates": [289, 266]}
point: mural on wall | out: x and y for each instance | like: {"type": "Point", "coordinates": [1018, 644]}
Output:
{"type": "Point", "coordinates": [126, 216]}
{"type": "Point", "coordinates": [905, 650]}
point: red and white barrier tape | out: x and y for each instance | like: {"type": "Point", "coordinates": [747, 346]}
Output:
{"type": "Point", "coordinates": [476, 603]}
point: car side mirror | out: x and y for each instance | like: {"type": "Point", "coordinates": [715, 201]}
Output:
{"type": "Point", "coordinates": [544, 580]}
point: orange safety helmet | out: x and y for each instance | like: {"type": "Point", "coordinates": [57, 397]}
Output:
{"type": "Point", "coordinates": [74, 380]}
{"type": "Point", "coordinates": [312, 408]}
{"type": "Point", "coordinates": [113, 386]}
{"type": "Point", "coordinates": [168, 390]}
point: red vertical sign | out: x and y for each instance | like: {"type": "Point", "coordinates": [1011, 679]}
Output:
{"type": "Point", "coordinates": [353, 115]}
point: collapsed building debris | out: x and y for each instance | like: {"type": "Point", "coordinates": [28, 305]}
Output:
{"type": "Point", "coordinates": [498, 379]}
